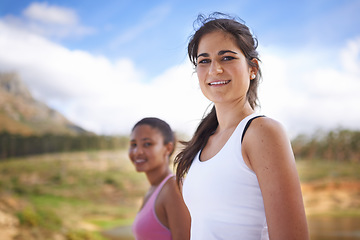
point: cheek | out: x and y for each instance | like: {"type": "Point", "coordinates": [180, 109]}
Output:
{"type": "Point", "coordinates": [159, 153]}
{"type": "Point", "coordinates": [202, 80]}
{"type": "Point", "coordinates": [200, 73]}
{"type": "Point", "coordinates": [131, 153]}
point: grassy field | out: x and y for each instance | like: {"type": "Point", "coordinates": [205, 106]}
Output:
{"type": "Point", "coordinates": [330, 188]}
{"type": "Point", "coordinates": [315, 170]}
{"type": "Point", "coordinates": [70, 195]}
{"type": "Point", "coordinates": [78, 196]}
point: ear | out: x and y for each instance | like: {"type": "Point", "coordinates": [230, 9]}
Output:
{"type": "Point", "coordinates": [254, 69]}
{"type": "Point", "coordinates": [169, 148]}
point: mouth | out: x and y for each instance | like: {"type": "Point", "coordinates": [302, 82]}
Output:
{"type": "Point", "coordinates": [219, 83]}
{"type": "Point", "coordinates": [139, 161]}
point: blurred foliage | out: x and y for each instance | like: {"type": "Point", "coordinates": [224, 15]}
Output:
{"type": "Point", "coordinates": [65, 188]}
{"type": "Point", "coordinates": [15, 145]}
{"type": "Point", "coordinates": [317, 169]}
{"type": "Point", "coordinates": [336, 145]}
{"type": "Point", "coordinates": [83, 235]}
{"type": "Point", "coordinates": [40, 217]}
{"type": "Point", "coordinates": [76, 195]}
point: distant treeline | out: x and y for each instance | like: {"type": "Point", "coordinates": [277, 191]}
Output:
{"type": "Point", "coordinates": [16, 145]}
{"type": "Point", "coordinates": [335, 145]}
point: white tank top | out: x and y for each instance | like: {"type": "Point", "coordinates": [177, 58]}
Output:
{"type": "Point", "coordinates": [223, 195]}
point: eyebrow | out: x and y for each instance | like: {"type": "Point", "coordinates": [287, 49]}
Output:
{"type": "Point", "coordinates": [143, 139]}
{"type": "Point", "coordinates": [222, 52]}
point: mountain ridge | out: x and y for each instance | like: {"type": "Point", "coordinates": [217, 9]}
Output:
{"type": "Point", "coordinates": [21, 113]}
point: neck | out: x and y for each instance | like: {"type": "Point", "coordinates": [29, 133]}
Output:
{"type": "Point", "coordinates": [229, 115]}
{"type": "Point", "coordinates": [156, 176]}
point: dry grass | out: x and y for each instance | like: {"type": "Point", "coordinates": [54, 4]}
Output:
{"type": "Point", "coordinates": [75, 196]}
{"type": "Point", "coordinates": [72, 193]}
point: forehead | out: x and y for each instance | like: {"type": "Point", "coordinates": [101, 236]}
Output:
{"type": "Point", "coordinates": [216, 41]}
{"type": "Point", "coordinates": [145, 131]}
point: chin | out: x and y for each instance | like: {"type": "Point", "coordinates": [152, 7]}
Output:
{"type": "Point", "coordinates": [140, 170]}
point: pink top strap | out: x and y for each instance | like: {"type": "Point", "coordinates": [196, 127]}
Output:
{"type": "Point", "coordinates": [146, 225]}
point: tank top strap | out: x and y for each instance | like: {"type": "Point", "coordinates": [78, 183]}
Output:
{"type": "Point", "coordinates": [158, 188]}
{"type": "Point", "coordinates": [248, 124]}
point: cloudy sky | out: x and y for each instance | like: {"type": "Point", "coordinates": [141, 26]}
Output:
{"type": "Point", "coordinates": [106, 64]}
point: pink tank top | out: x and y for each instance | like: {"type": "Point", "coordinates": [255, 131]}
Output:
{"type": "Point", "coordinates": [146, 225]}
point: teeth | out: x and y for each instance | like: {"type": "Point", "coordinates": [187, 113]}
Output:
{"type": "Point", "coordinates": [219, 83]}
{"type": "Point", "coordinates": [139, 161]}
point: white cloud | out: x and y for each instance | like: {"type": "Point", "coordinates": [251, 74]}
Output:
{"type": "Point", "coordinates": [96, 93]}
{"type": "Point", "coordinates": [49, 20]}
{"type": "Point", "coordinates": [350, 57]}
{"type": "Point", "coordinates": [299, 89]}
{"type": "Point", "coordinates": [304, 94]}
{"type": "Point", "coordinates": [50, 14]}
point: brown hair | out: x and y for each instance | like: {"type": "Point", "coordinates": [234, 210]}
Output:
{"type": "Point", "coordinates": [248, 45]}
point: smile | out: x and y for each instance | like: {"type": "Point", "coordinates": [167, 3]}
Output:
{"type": "Point", "coordinates": [219, 83]}
{"type": "Point", "coordinates": [137, 161]}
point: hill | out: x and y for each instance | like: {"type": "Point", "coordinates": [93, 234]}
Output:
{"type": "Point", "coordinates": [21, 113]}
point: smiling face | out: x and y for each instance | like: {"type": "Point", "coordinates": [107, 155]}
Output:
{"type": "Point", "coordinates": [222, 69]}
{"type": "Point", "coordinates": [147, 149]}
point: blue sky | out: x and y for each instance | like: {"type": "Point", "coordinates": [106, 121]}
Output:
{"type": "Point", "coordinates": [105, 64]}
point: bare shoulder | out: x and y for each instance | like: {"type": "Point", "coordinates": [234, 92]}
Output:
{"type": "Point", "coordinates": [168, 195]}
{"type": "Point", "coordinates": [266, 142]}
{"type": "Point", "coordinates": [170, 189]}
{"type": "Point", "coordinates": [171, 183]}
{"type": "Point", "coordinates": [267, 149]}
{"type": "Point", "coordinates": [265, 130]}
{"type": "Point", "coordinates": [266, 125]}
{"type": "Point", "coordinates": [177, 215]}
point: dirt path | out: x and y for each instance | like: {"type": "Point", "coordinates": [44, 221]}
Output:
{"type": "Point", "coordinates": [328, 196]}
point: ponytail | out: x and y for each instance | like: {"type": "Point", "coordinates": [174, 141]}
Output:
{"type": "Point", "coordinates": [202, 134]}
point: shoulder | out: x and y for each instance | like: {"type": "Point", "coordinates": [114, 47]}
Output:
{"type": "Point", "coordinates": [170, 183]}
{"type": "Point", "coordinates": [266, 142]}
{"type": "Point", "coordinates": [175, 211]}
{"type": "Point", "coordinates": [264, 128]}
{"type": "Point", "coordinates": [171, 199]}
{"type": "Point", "coordinates": [170, 190]}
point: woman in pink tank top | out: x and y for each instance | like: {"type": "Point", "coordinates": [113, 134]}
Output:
{"type": "Point", "coordinates": [163, 215]}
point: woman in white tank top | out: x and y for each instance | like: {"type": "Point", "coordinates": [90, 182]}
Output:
{"type": "Point", "coordinates": [237, 185]}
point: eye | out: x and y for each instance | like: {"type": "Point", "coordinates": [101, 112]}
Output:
{"type": "Point", "coordinates": [147, 144]}
{"type": "Point", "coordinates": [203, 61]}
{"type": "Point", "coordinates": [132, 145]}
{"type": "Point", "coordinates": [228, 58]}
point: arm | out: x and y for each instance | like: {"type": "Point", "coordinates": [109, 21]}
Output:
{"type": "Point", "coordinates": [176, 213]}
{"type": "Point", "coordinates": [268, 152]}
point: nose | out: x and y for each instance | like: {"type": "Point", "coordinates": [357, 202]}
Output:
{"type": "Point", "coordinates": [138, 150]}
{"type": "Point", "coordinates": [215, 68]}
{"type": "Point", "coordinates": [135, 151]}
